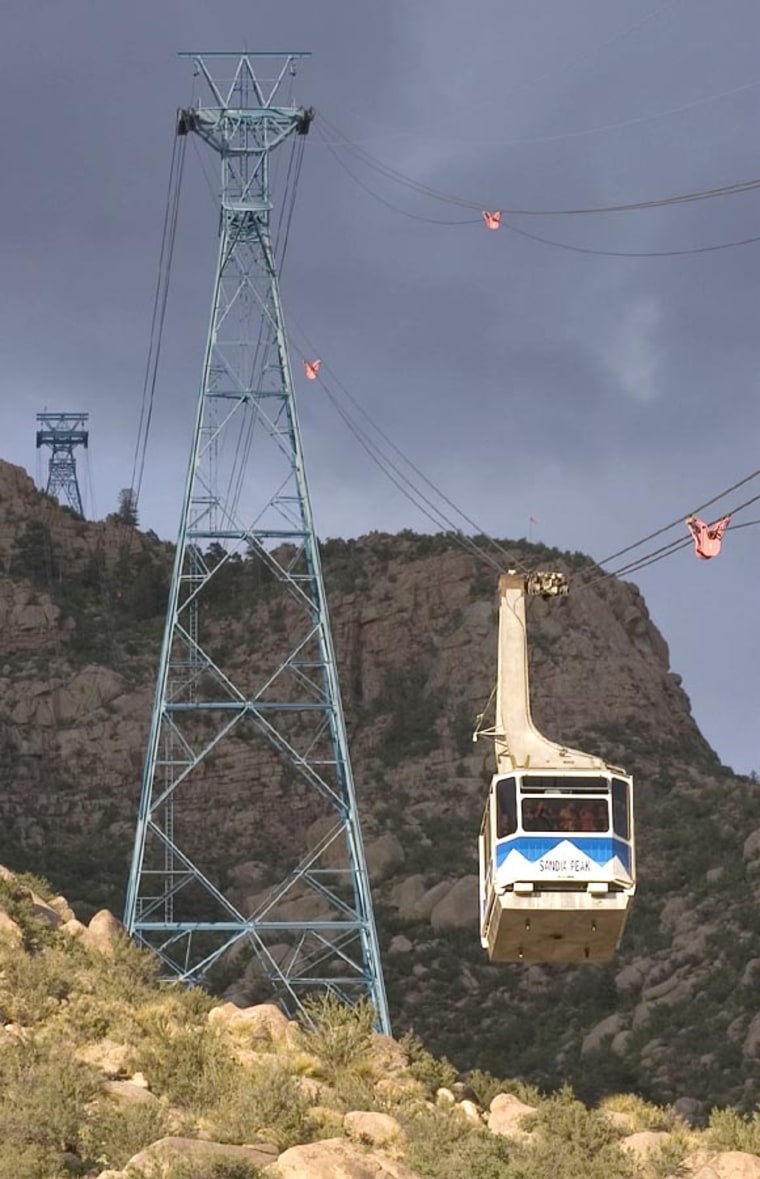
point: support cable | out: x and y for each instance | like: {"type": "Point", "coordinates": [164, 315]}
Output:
{"type": "Point", "coordinates": [553, 242]}
{"type": "Point", "coordinates": [675, 523]}
{"type": "Point", "coordinates": [408, 487]}
{"type": "Point", "coordinates": [664, 551]}
{"type": "Point", "coordinates": [546, 241]}
{"type": "Point", "coordinates": [403, 179]}
{"type": "Point", "coordinates": [560, 136]}
{"type": "Point", "coordinates": [158, 316]}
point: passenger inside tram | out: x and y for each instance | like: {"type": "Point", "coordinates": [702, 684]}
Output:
{"type": "Point", "coordinates": [565, 814]}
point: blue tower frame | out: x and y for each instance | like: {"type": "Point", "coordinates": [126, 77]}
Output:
{"type": "Point", "coordinates": [63, 432]}
{"type": "Point", "coordinates": [251, 744]}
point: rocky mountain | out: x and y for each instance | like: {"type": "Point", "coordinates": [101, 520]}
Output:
{"type": "Point", "coordinates": [414, 621]}
{"type": "Point", "coordinates": [105, 1072]}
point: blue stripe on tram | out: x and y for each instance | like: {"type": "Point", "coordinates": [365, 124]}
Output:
{"type": "Point", "coordinates": [535, 847]}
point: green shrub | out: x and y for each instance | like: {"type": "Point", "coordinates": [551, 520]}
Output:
{"type": "Point", "coordinates": [114, 1132]}
{"type": "Point", "coordinates": [340, 1036]}
{"type": "Point", "coordinates": [486, 1086]}
{"type": "Point", "coordinates": [30, 1162]}
{"type": "Point", "coordinates": [266, 1106]}
{"type": "Point", "coordinates": [202, 1169]}
{"type": "Point", "coordinates": [18, 904]}
{"type": "Point", "coordinates": [643, 1114]}
{"type": "Point", "coordinates": [355, 1090]}
{"type": "Point", "coordinates": [190, 1065]}
{"type": "Point", "coordinates": [434, 1074]}
{"type": "Point", "coordinates": [44, 1095]}
{"type": "Point", "coordinates": [728, 1130]}
{"type": "Point", "coordinates": [33, 986]}
{"type": "Point", "coordinates": [572, 1142]}
{"type": "Point", "coordinates": [443, 1145]}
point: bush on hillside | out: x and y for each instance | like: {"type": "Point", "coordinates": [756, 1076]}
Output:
{"type": "Point", "coordinates": [340, 1036]}
{"type": "Point", "coordinates": [202, 1169]}
{"type": "Point", "coordinates": [114, 1132]}
{"type": "Point", "coordinates": [43, 1107]}
{"type": "Point", "coordinates": [572, 1142]}
{"type": "Point", "coordinates": [643, 1115]}
{"type": "Point", "coordinates": [442, 1144]}
{"type": "Point", "coordinates": [486, 1086]}
{"type": "Point", "coordinates": [728, 1130]}
{"type": "Point", "coordinates": [190, 1066]}
{"type": "Point", "coordinates": [265, 1105]}
{"type": "Point", "coordinates": [433, 1073]}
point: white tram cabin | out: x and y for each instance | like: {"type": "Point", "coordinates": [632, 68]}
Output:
{"type": "Point", "coordinates": [557, 865]}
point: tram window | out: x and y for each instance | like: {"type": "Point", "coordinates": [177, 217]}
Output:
{"type": "Point", "coordinates": [506, 808]}
{"type": "Point", "coordinates": [564, 814]}
{"type": "Point", "coordinates": [544, 782]}
{"type": "Point", "coordinates": [620, 808]}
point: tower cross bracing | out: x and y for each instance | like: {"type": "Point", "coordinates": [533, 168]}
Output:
{"type": "Point", "coordinates": [248, 850]}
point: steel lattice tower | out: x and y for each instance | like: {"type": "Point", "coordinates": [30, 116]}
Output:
{"type": "Point", "coordinates": [63, 432]}
{"type": "Point", "coordinates": [249, 747]}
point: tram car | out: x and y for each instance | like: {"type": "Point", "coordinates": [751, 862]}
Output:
{"type": "Point", "coordinates": [556, 847]}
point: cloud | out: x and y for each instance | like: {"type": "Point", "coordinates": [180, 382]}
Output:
{"type": "Point", "coordinates": [632, 351]}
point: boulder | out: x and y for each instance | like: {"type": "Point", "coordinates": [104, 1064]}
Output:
{"type": "Point", "coordinates": [400, 945]}
{"type": "Point", "coordinates": [384, 856]}
{"type": "Point", "coordinates": [172, 1150]}
{"type": "Point", "coordinates": [74, 928]}
{"type": "Point", "coordinates": [646, 1142]}
{"type": "Point", "coordinates": [751, 846]}
{"type": "Point", "coordinates": [459, 908]}
{"type": "Point", "coordinates": [751, 1045]}
{"type": "Point", "coordinates": [604, 1030]}
{"type": "Point", "coordinates": [445, 1097]}
{"type": "Point", "coordinates": [9, 930]}
{"type": "Point", "coordinates": [327, 833]}
{"type": "Point", "coordinates": [690, 1110]}
{"type": "Point", "coordinates": [506, 1114]}
{"type": "Point", "coordinates": [128, 1093]}
{"type": "Point", "coordinates": [262, 1021]}
{"type": "Point", "coordinates": [63, 908]}
{"type": "Point", "coordinates": [335, 1158]}
{"type": "Point", "coordinates": [623, 1121]}
{"type": "Point", "coordinates": [631, 976]}
{"type": "Point", "coordinates": [673, 912]}
{"type": "Point", "coordinates": [620, 1042]}
{"type": "Point", "coordinates": [373, 1129]}
{"type": "Point", "coordinates": [422, 909]}
{"type": "Point", "coordinates": [675, 984]}
{"type": "Point", "coordinates": [45, 912]}
{"type": "Point", "coordinates": [406, 895]}
{"type": "Point", "coordinates": [470, 1111]}
{"type": "Point", "coordinates": [731, 1164]}
{"type": "Point", "coordinates": [388, 1056]}
{"type": "Point", "coordinates": [109, 1057]}
{"type": "Point", "coordinates": [751, 973]}
{"type": "Point", "coordinates": [103, 931]}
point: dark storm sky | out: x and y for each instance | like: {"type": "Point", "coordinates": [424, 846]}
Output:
{"type": "Point", "coordinates": [605, 396]}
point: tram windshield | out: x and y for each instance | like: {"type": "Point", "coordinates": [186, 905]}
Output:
{"type": "Point", "coordinates": [565, 814]}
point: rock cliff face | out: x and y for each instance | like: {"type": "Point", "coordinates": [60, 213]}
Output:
{"type": "Point", "coordinates": [414, 622]}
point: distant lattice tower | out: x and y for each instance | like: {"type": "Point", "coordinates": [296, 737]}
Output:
{"type": "Point", "coordinates": [248, 852]}
{"type": "Point", "coordinates": [63, 433]}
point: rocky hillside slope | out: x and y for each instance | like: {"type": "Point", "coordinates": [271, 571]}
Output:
{"type": "Point", "coordinates": [81, 613]}
{"type": "Point", "coordinates": [105, 1073]}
